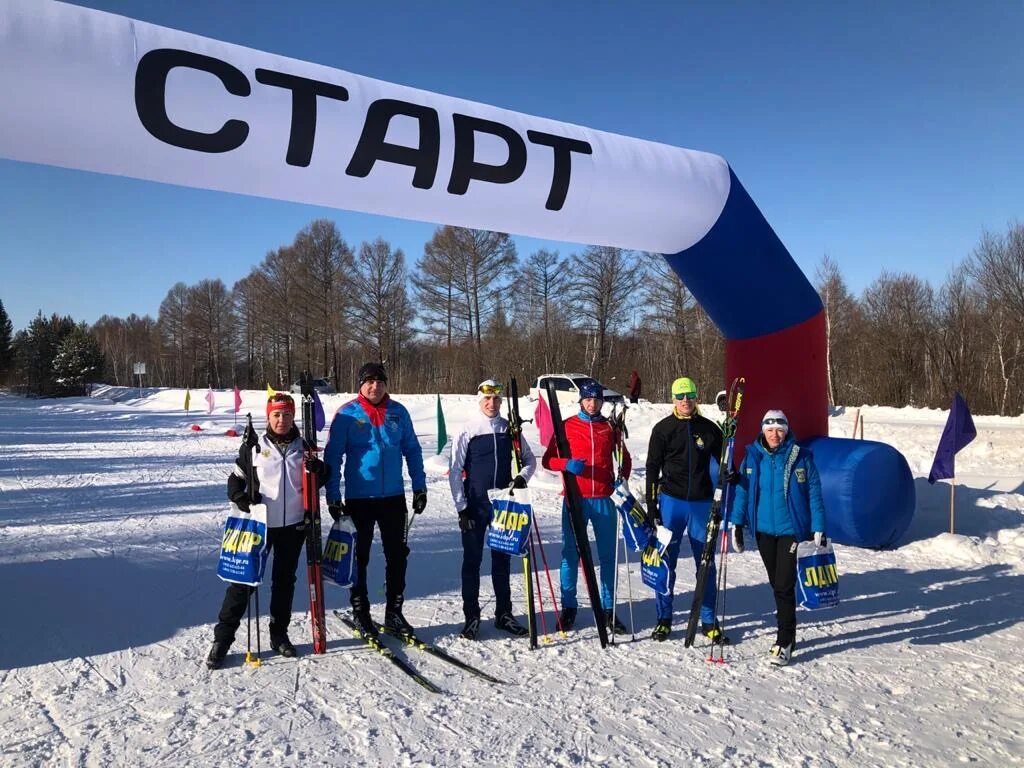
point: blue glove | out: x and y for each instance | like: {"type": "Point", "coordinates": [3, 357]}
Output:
{"type": "Point", "coordinates": [574, 466]}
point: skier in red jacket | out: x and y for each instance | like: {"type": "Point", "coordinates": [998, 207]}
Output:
{"type": "Point", "coordinates": [591, 445]}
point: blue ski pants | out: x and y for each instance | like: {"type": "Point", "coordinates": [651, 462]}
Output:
{"type": "Point", "coordinates": [688, 518]}
{"type": "Point", "coordinates": [600, 513]}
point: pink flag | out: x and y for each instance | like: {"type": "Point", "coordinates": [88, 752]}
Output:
{"type": "Point", "coordinates": [542, 418]}
{"type": "Point", "coordinates": [209, 400]}
{"type": "Point", "coordinates": [238, 399]}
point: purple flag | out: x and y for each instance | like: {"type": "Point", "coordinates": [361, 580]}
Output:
{"type": "Point", "coordinates": [319, 417]}
{"type": "Point", "coordinates": [959, 431]}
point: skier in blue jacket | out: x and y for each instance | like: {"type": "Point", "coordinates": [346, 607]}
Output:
{"type": "Point", "coordinates": [778, 496]}
{"type": "Point", "coordinates": [373, 433]}
{"type": "Point", "coordinates": [482, 460]}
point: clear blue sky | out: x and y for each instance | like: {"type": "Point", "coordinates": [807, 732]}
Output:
{"type": "Point", "coordinates": [885, 134]}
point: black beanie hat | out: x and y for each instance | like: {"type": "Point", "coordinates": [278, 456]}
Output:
{"type": "Point", "coordinates": [372, 371]}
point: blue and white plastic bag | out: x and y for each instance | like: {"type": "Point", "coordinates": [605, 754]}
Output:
{"type": "Point", "coordinates": [338, 565]}
{"type": "Point", "coordinates": [511, 520]}
{"type": "Point", "coordinates": [817, 580]}
{"type": "Point", "coordinates": [243, 548]}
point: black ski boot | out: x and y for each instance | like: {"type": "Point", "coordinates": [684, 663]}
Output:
{"type": "Point", "coordinates": [361, 616]}
{"type": "Point", "coordinates": [567, 619]}
{"type": "Point", "coordinates": [472, 629]}
{"type": "Point", "coordinates": [215, 658]}
{"type": "Point", "coordinates": [283, 646]}
{"type": "Point", "coordinates": [508, 623]}
{"type": "Point", "coordinates": [395, 621]}
{"type": "Point", "coordinates": [662, 630]}
{"type": "Point", "coordinates": [616, 626]}
{"type": "Point", "coordinates": [714, 633]}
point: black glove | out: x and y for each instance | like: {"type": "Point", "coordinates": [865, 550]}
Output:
{"type": "Point", "coordinates": [653, 513]}
{"type": "Point", "coordinates": [241, 499]}
{"type": "Point", "coordinates": [730, 477]}
{"type": "Point", "coordinates": [518, 482]}
{"type": "Point", "coordinates": [737, 538]}
{"type": "Point", "coordinates": [314, 464]}
{"type": "Point", "coordinates": [336, 510]}
{"type": "Point", "coordinates": [419, 501]}
{"type": "Point", "coordinates": [466, 523]}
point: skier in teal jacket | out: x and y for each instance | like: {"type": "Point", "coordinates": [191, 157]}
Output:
{"type": "Point", "coordinates": [778, 497]}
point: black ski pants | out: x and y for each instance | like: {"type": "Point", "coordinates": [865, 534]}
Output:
{"type": "Point", "coordinates": [779, 556]}
{"type": "Point", "coordinates": [285, 544]}
{"type": "Point", "coordinates": [389, 515]}
{"type": "Point", "coordinates": [472, 557]}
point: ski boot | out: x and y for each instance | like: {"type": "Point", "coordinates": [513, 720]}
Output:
{"type": "Point", "coordinates": [714, 633]}
{"type": "Point", "coordinates": [567, 619]}
{"type": "Point", "coordinates": [283, 646]}
{"type": "Point", "coordinates": [507, 622]}
{"type": "Point", "coordinates": [361, 616]}
{"type": "Point", "coordinates": [394, 621]}
{"type": "Point", "coordinates": [472, 629]}
{"type": "Point", "coordinates": [215, 658]}
{"type": "Point", "coordinates": [615, 627]}
{"type": "Point", "coordinates": [662, 630]}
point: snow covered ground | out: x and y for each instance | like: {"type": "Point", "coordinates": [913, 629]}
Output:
{"type": "Point", "coordinates": [111, 509]}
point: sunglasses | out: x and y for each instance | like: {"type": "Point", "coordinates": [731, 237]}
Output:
{"type": "Point", "coordinates": [494, 390]}
{"type": "Point", "coordinates": [687, 396]}
{"type": "Point", "coordinates": [770, 422]}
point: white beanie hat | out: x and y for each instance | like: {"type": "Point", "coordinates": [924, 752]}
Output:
{"type": "Point", "coordinates": [493, 387]}
{"type": "Point", "coordinates": [775, 419]}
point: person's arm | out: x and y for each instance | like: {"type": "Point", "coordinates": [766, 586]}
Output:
{"type": "Point", "coordinates": [333, 453]}
{"type": "Point", "coordinates": [551, 460]}
{"type": "Point", "coordinates": [413, 453]}
{"type": "Point", "coordinates": [458, 460]}
{"type": "Point", "coordinates": [529, 460]}
{"type": "Point", "coordinates": [738, 505]}
{"type": "Point", "coordinates": [817, 503]}
{"type": "Point", "coordinates": [655, 462]}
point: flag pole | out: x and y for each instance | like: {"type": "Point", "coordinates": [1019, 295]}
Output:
{"type": "Point", "coordinates": [952, 491]}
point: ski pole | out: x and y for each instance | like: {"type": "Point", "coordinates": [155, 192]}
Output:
{"type": "Point", "coordinates": [537, 590]}
{"type": "Point", "coordinates": [547, 571]}
{"type": "Point", "coordinates": [629, 588]}
{"type": "Point", "coordinates": [615, 581]}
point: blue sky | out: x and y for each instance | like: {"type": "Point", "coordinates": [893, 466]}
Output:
{"type": "Point", "coordinates": [885, 134]}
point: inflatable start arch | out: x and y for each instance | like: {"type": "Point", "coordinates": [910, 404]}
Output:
{"type": "Point", "coordinates": [99, 92]}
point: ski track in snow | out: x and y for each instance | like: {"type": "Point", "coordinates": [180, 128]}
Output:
{"type": "Point", "coordinates": [110, 516]}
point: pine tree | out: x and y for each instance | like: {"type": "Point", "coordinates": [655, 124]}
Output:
{"type": "Point", "coordinates": [5, 342]}
{"type": "Point", "coordinates": [78, 360]}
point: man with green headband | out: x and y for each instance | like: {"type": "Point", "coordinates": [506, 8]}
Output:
{"type": "Point", "coordinates": [679, 491]}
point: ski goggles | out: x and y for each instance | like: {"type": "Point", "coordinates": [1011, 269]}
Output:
{"type": "Point", "coordinates": [491, 390]}
{"type": "Point", "coordinates": [771, 422]}
{"type": "Point", "coordinates": [686, 396]}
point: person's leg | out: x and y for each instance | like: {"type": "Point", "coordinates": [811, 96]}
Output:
{"type": "Point", "coordinates": [472, 555]}
{"type": "Point", "coordinates": [602, 517]}
{"type": "Point", "coordinates": [674, 516]}
{"type": "Point", "coordinates": [286, 544]}
{"type": "Point", "coordinates": [236, 598]}
{"type": "Point", "coordinates": [785, 589]}
{"type": "Point", "coordinates": [391, 517]}
{"type": "Point", "coordinates": [363, 519]}
{"type": "Point", "coordinates": [569, 570]}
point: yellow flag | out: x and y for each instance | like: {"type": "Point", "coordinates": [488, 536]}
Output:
{"type": "Point", "coordinates": [270, 392]}
{"type": "Point", "coordinates": [188, 399]}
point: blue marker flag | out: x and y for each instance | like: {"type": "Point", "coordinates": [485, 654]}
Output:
{"type": "Point", "coordinates": [319, 418]}
{"type": "Point", "coordinates": [959, 431]}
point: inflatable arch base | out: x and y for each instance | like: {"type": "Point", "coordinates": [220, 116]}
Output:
{"type": "Point", "coordinates": [868, 491]}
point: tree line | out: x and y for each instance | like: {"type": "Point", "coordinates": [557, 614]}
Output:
{"type": "Point", "coordinates": [471, 307]}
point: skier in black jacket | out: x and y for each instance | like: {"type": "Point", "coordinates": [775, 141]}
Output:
{"type": "Point", "coordinates": [679, 491]}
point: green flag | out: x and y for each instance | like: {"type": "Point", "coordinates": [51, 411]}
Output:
{"type": "Point", "coordinates": [442, 433]}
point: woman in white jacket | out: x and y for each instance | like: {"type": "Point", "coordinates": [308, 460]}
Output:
{"type": "Point", "coordinates": [278, 464]}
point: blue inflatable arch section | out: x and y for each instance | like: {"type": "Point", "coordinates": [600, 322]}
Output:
{"type": "Point", "coordinates": [109, 94]}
